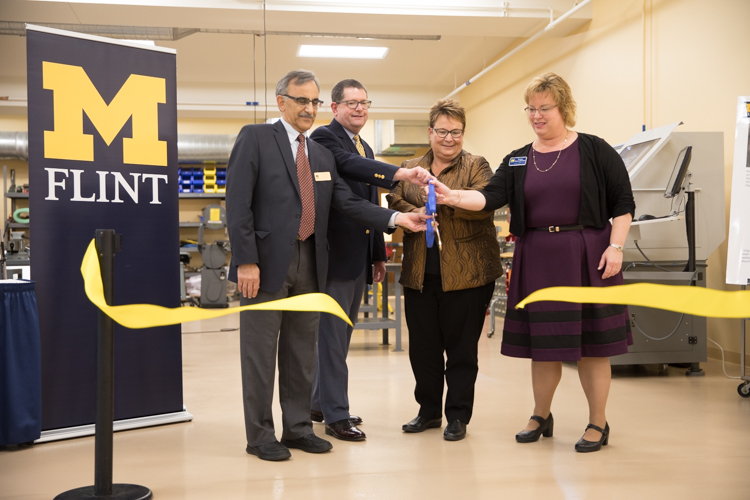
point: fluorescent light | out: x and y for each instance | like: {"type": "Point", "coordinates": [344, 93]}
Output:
{"type": "Point", "coordinates": [144, 42]}
{"type": "Point", "coordinates": [342, 51]}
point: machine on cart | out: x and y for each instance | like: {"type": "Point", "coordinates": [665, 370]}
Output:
{"type": "Point", "coordinates": [214, 255]}
{"type": "Point", "coordinates": [674, 232]}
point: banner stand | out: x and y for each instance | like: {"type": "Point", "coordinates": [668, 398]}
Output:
{"type": "Point", "coordinates": [107, 244]}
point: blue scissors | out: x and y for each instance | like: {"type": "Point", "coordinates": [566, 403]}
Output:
{"type": "Point", "coordinates": [432, 228]}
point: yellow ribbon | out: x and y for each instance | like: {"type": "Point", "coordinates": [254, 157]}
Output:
{"type": "Point", "coordinates": [693, 300]}
{"type": "Point", "coordinates": [148, 315]}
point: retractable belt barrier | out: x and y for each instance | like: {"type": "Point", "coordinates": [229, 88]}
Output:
{"type": "Point", "coordinates": [149, 315]}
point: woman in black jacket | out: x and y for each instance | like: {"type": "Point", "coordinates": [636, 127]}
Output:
{"type": "Point", "coordinates": [562, 189]}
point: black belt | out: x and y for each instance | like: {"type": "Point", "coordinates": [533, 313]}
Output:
{"type": "Point", "coordinates": [556, 229]}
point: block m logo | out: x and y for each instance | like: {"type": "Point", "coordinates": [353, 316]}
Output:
{"type": "Point", "coordinates": [75, 94]}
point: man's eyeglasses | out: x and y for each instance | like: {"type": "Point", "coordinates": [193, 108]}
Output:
{"type": "Point", "coordinates": [304, 101]}
{"type": "Point", "coordinates": [455, 133]}
{"type": "Point", "coordinates": [354, 104]}
{"type": "Point", "coordinates": [542, 111]}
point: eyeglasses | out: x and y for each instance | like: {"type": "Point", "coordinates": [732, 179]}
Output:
{"type": "Point", "coordinates": [542, 111]}
{"type": "Point", "coordinates": [354, 104]}
{"type": "Point", "coordinates": [304, 101]}
{"type": "Point", "coordinates": [455, 133]}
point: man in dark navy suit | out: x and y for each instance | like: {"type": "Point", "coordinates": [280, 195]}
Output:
{"type": "Point", "coordinates": [356, 255]}
{"type": "Point", "coordinates": [280, 189]}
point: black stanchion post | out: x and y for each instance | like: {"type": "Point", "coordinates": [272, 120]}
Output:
{"type": "Point", "coordinates": [107, 244]}
{"type": "Point", "coordinates": [105, 369]}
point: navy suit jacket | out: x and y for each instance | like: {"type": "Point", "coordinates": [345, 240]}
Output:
{"type": "Point", "coordinates": [353, 245]}
{"type": "Point", "coordinates": [264, 206]}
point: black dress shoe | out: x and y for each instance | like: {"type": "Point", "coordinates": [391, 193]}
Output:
{"type": "Point", "coordinates": [545, 429]}
{"type": "Point", "coordinates": [421, 423]}
{"type": "Point", "coordinates": [455, 431]}
{"type": "Point", "coordinates": [345, 430]}
{"type": "Point", "coordinates": [317, 416]}
{"type": "Point", "coordinates": [310, 444]}
{"type": "Point", "coordinates": [584, 446]}
{"type": "Point", "coordinates": [272, 451]}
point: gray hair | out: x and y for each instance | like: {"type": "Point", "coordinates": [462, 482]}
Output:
{"type": "Point", "coordinates": [296, 77]}
{"type": "Point", "coordinates": [337, 94]}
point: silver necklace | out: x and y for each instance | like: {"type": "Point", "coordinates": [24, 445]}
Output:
{"type": "Point", "coordinates": [533, 155]}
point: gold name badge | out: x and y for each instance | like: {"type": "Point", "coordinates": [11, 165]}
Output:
{"type": "Point", "coordinates": [322, 176]}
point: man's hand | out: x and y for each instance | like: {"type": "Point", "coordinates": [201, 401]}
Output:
{"type": "Point", "coordinates": [248, 280]}
{"type": "Point", "coordinates": [412, 221]}
{"type": "Point", "coordinates": [416, 175]}
{"type": "Point", "coordinates": [611, 261]}
{"type": "Point", "coordinates": [378, 271]}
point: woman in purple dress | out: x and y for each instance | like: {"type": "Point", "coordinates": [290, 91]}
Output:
{"type": "Point", "coordinates": [563, 189]}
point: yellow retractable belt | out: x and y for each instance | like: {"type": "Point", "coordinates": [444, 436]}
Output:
{"type": "Point", "coordinates": [682, 299]}
{"type": "Point", "coordinates": [148, 315]}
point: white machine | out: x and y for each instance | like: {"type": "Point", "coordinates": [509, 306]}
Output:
{"type": "Point", "coordinates": [666, 169]}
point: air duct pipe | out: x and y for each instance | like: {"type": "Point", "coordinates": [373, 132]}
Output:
{"type": "Point", "coordinates": [552, 25]}
{"type": "Point", "coordinates": [191, 148]}
{"type": "Point", "coordinates": [14, 145]}
{"type": "Point", "coordinates": [199, 148]}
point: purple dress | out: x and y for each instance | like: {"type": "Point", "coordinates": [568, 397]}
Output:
{"type": "Point", "coordinates": [560, 331]}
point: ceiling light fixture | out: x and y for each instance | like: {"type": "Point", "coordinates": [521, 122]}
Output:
{"type": "Point", "coordinates": [342, 51]}
{"type": "Point", "coordinates": [163, 33]}
{"type": "Point", "coordinates": [144, 42]}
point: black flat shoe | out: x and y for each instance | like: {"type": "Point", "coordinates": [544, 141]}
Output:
{"type": "Point", "coordinates": [455, 431]}
{"type": "Point", "coordinates": [545, 429]}
{"type": "Point", "coordinates": [584, 446]}
{"type": "Point", "coordinates": [421, 423]}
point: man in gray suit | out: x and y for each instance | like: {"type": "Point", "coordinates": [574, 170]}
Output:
{"type": "Point", "coordinates": [280, 188]}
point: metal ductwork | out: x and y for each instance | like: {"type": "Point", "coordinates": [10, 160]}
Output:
{"type": "Point", "coordinates": [170, 34]}
{"type": "Point", "coordinates": [191, 148]}
{"type": "Point", "coordinates": [14, 145]}
{"type": "Point", "coordinates": [198, 148]}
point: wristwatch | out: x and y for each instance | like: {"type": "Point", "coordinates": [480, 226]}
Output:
{"type": "Point", "coordinates": [618, 247]}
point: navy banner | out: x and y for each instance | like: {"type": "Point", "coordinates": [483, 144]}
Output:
{"type": "Point", "coordinates": [103, 155]}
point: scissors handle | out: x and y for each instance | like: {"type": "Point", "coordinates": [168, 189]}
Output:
{"type": "Point", "coordinates": [430, 209]}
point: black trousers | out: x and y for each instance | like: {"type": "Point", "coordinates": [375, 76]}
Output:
{"type": "Point", "coordinates": [445, 322]}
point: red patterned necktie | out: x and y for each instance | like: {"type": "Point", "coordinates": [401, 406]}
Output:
{"type": "Point", "coordinates": [306, 190]}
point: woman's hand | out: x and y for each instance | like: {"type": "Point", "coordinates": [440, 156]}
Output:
{"type": "Point", "coordinates": [443, 194]}
{"type": "Point", "coordinates": [611, 261]}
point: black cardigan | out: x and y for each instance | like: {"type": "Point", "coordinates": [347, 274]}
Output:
{"type": "Point", "coordinates": [605, 185]}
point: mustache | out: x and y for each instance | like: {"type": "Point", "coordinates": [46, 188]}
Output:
{"type": "Point", "coordinates": [305, 114]}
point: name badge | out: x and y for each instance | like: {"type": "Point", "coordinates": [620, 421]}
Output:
{"type": "Point", "coordinates": [518, 161]}
{"type": "Point", "coordinates": [322, 176]}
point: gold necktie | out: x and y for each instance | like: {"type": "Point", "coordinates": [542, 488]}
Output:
{"type": "Point", "coordinates": [359, 146]}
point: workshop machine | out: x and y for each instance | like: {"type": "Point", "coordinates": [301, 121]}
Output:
{"type": "Point", "coordinates": [214, 255]}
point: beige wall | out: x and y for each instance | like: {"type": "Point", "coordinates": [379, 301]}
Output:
{"type": "Point", "coordinates": [651, 62]}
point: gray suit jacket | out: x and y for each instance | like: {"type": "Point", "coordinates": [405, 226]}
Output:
{"type": "Point", "coordinates": [264, 205]}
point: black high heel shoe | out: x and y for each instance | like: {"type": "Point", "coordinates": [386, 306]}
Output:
{"type": "Point", "coordinates": [545, 429]}
{"type": "Point", "coordinates": [584, 446]}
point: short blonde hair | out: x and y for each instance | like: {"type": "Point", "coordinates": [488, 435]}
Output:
{"type": "Point", "coordinates": [449, 108]}
{"type": "Point", "coordinates": [560, 92]}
